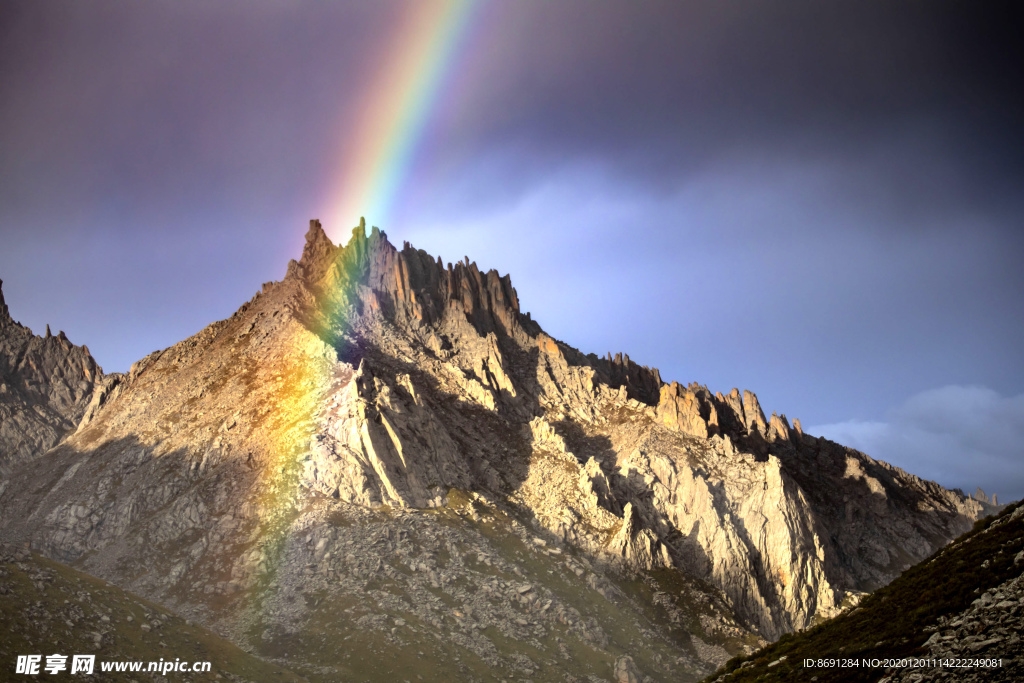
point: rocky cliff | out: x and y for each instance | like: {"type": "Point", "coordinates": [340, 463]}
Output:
{"type": "Point", "coordinates": [957, 616]}
{"type": "Point", "coordinates": [385, 443]}
{"type": "Point", "coordinates": [46, 386]}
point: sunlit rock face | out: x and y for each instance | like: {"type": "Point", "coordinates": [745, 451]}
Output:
{"type": "Point", "coordinates": [380, 436]}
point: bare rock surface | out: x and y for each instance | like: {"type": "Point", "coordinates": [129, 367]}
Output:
{"type": "Point", "coordinates": [46, 386]}
{"type": "Point", "coordinates": [953, 617]}
{"type": "Point", "coordinates": [384, 450]}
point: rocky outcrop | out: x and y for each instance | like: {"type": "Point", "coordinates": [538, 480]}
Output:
{"type": "Point", "coordinates": [637, 546]}
{"type": "Point", "coordinates": [626, 671]}
{"type": "Point", "coordinates": [778, 429]}
{"type": "Point", "coordinates": [955, 616]}
{"type": "Point", "coordinates": [374, 381]}
{"type": "Point", "coordinates": [641, 382]}
{"type": "Point", "coordinates": [382, 444]}
{"type": "Point", "coordinates": [409, 286]}
{"type": "Point", "coordinates": [46, 386]}
{"type": "Point", "coordinates": [687, 410]}
{"type": "Point", "coordinates": [987, 632]}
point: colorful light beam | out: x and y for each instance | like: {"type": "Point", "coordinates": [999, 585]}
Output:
{"type": "Point", "coordinates": [382, 147]}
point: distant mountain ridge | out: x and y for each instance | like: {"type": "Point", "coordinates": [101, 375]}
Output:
{"type": "Point", "coordinates": [46, 386]}
{"type": "Point", "coordinates": [275, 461]}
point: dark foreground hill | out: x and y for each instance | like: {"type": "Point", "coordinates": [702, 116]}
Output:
{"type": "Point", "coordinates": [958, 616]}
{"type": "Point", "coordinates": [48, 608]}
{"type": "Point", "coordinates": [381, 468]}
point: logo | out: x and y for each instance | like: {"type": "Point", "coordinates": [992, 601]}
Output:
{"type": "Point", "coordinates": [30, 664]}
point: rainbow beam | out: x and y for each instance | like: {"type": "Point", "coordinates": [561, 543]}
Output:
{"type": "Point", "coordinates": [393, 119]}
{"type": "Point", "coordinates": [398, 108]}
{"type": "Point", "coordinates": [300, 379]}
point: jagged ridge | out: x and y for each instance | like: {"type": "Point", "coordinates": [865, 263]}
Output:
{"type": "Point", "coordinates": [372, 376]}
{"type": "Point", "coordinates": [46, 386]}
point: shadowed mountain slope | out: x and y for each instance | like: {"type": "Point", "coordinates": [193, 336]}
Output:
{"type": "Point", "coordinates": [964, 604]}
{"type": "Point", "coordinates": [46, 386]}
{"type": "Point", "coordinates": [383, 449]}
{"type": "Point", "coordinates": [42, 601]}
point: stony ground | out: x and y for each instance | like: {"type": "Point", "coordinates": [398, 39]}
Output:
{"type": "Point", "coordinates": [467, 592]}
{"type": "Point", "coordinates": [988, 631]}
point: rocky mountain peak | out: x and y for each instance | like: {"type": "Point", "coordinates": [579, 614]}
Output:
{"type": "Point", "coordinates": [294, 443]}
{"type": "Point", "coordinates": [46, 386]}
{"type": "Point", "coordinates": [318, 251]}
{"type": "Point", "coordinates": [5, 315]}
{"type": "Point", "coordinates": [408, 286]}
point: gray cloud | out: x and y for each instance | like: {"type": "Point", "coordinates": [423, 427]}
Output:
{"type": "Point", "coordinates": [779, 275]}
{"type": "Point", "coordinates": [959, 436]}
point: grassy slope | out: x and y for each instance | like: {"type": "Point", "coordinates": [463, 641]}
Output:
{"type": "Point", "coordinates": [47, 608]}
{"type": "Point", "coordinates": [891, 621]}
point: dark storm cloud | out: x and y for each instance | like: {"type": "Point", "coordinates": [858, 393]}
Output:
{"type": "Point", "coordinates": [666, 86]}
{"type": "Point", "coordinates": [817, 201]}
{"type": "Point", "coordinates": [833, 193]}
{"type": "Point", "coordinates": [166, 104]}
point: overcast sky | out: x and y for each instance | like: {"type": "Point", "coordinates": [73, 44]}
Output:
{"type": "Point", "coordinates": [820, 202]}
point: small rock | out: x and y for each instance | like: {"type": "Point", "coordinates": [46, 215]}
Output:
{"type": "Point", "coordinates": [626, 670]}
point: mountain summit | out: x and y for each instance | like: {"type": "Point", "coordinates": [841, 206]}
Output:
{"type": "Point", "coordinates": [382, 454]}
{"type": "Point", "coordinates": [46, 385]}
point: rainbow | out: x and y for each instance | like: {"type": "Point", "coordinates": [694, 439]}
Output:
{"type": "Point", "coordinates": [302, 375]}
{"type": "Point", "coordinates": [379, 158]}
{"type": "Point", "coordinates": [397, 109]}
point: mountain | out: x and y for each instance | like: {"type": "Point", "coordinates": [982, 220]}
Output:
{"type": "Point", "coordinates": [382, 455]}
{"type": "Point", "coordinates": [963, 604]}
{"type": "Point", "coordinates": [46, 386]}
